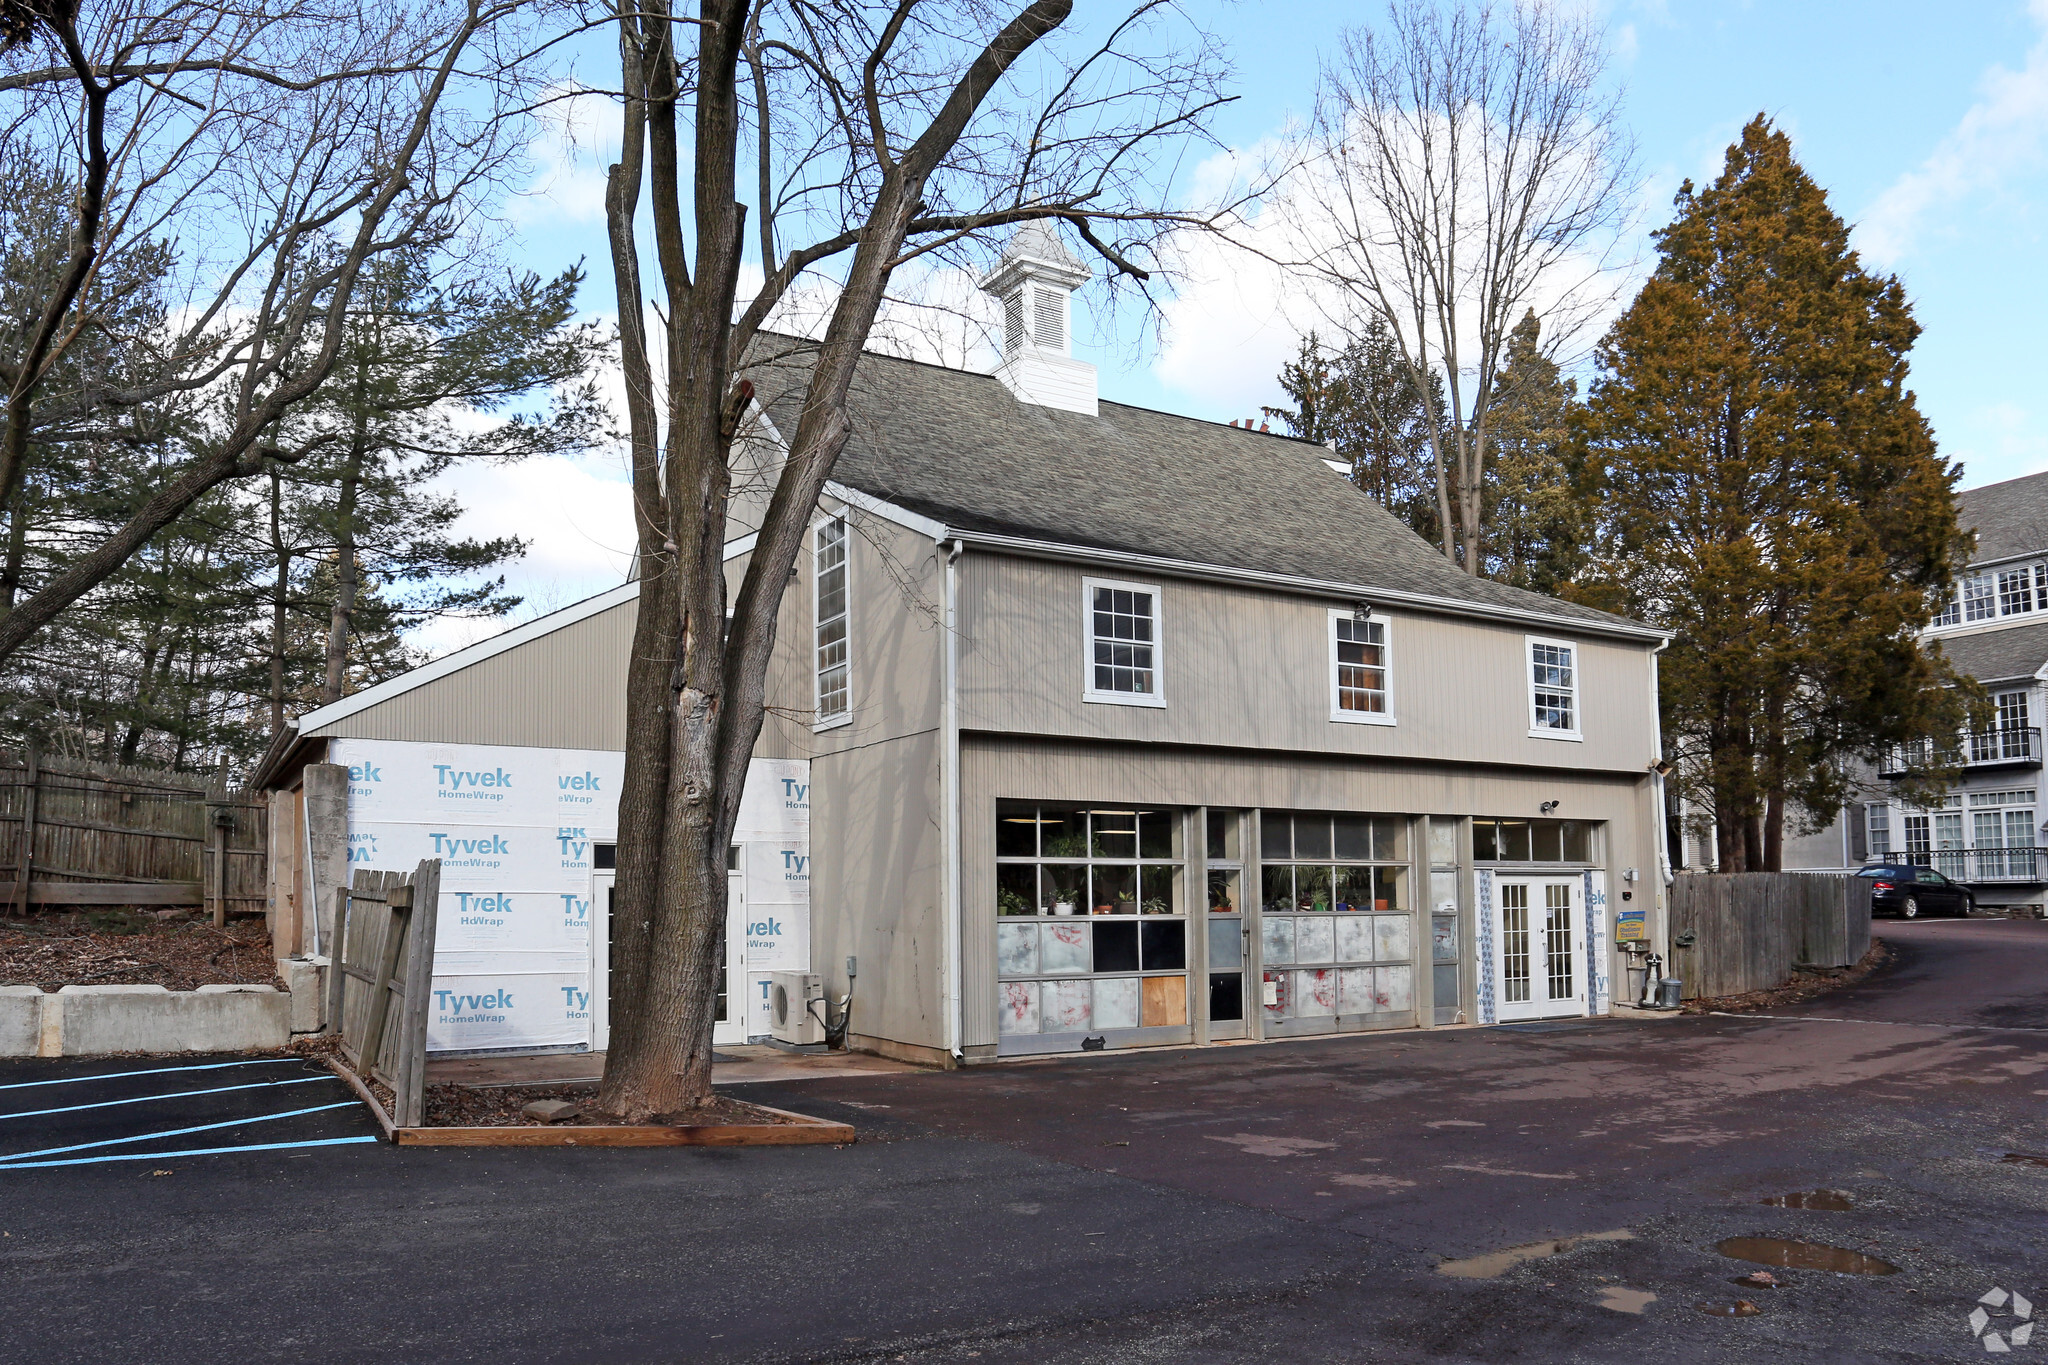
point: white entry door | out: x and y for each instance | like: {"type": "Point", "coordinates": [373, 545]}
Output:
{"type": "Point", "coordinates": [1540, 958]}
{"type": "Point", "coordinates": [731, 1023]}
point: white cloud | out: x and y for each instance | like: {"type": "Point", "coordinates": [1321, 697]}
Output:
{"type": "Point", "coordinates": [578, 138]}
{"type": "Point", "coordinates": [2000, 136]}
{"type": "Point", "coordinates": [577, 516]}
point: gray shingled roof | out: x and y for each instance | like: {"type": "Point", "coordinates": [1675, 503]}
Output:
{"type": "Point", "coordinates": [2011, 518]}
{"type": "Point", "coordinates": [960, 448]}
{"type": "Point", "coordinates": [2012, 652]}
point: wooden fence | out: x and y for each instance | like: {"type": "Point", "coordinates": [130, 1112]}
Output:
{"type": "Point", "coordinates": [75, 833]}
{"type": "Point", "coordinates": [379, 994]}
{"type": "Point", "coordinates": [1748, 930]}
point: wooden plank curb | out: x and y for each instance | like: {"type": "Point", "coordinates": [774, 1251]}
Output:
{"type": "Point", "coordinates": [801, 1131]}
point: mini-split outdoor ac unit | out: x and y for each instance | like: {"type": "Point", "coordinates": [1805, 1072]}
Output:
{"type": "Point", "coordinates": [790, 1016]}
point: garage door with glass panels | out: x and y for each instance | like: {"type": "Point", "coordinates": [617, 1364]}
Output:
{"type": "Point", "coordinates": [1336, 935]}
{"type": "Point", "coordinates": [1091, 927]}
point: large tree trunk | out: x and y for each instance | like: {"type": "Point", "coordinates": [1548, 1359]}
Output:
{"type": "Point", "coordinates": [280, 599]}
{"type": "Point", "coordinates": [341, 617]}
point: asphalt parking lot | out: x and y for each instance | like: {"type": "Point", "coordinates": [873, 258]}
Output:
{"type": "Point", "coordinates": [1287, 1202]}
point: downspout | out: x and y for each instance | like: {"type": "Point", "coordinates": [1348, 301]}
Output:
{"type": "Point", "coordinates": [1661, 823]}
{"type": "Point", "coordinates": [953, 1004]}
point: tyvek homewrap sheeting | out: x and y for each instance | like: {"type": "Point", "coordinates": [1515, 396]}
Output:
{"type": "Point", "coordinates": [513, 828]}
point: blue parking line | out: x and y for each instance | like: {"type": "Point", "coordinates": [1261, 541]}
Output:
{"type": "Point", "coordinates": [174, 1095]}
{"type": "Point", "coordinates": [194, 1151]}
{"type": "Point", "coordinates": [177, 1132]}
{"type": "Point", "coordinates": [155, 1071]}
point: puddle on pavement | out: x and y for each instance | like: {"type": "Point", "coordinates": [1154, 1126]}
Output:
{"type": "Point", "coordinates": [1626, 1300]}
{"type": "Point", "coordinates": [1741, 1308]}
{"type": "Point", "coordinates": [1803, 1256]}
{"type": "Point", "coordinates": [1500, 1262]}
{"type": "Point", "coordinates": [1834, 1201]}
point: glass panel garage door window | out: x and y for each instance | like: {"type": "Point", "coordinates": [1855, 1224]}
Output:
{"type": "Point", "coordinates": [1336, 931]}
{"type": "Point", "coordinates": [1091, 926]}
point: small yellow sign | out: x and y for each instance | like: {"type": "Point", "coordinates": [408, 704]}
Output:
{"type": "Point", "coordinates": [1629, 927]}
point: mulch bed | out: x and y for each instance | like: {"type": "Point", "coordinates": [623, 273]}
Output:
{"type": "Point", "coordinates": [462, 1106]}
{"type": "Point", "coordinates": [125, 947]}
{"type": "Point", "coordinates": [1806, 984]}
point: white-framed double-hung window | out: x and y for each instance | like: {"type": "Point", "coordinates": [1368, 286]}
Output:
{"type": "Point", "coordinates": [829, 611]}
{"type": "Point", "coordinates": [1553, 674]}
{"type": "Point", "coordinates": [1361, 688]}
{"type": "Point", "coordinates": [1122, 640]}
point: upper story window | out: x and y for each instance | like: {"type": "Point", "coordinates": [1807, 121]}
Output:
{"type": "Point", "coordinates": [835, 692]}
{"type": "Point", "coordinates": [1553, 689]}
{"type": "Point", "coordinates": [1980, 602]}
{"type": "Point", "coordinates": [2016, 591]}
{"type": "Point", "coordinates": [1123, 642]}
{"type": "Point", "coordinates": [2021, 590]}
{"type": "Point", "coordinates": [1359, 688]}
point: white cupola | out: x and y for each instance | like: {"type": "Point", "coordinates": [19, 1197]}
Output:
{"type": "Point", "coordinates": [1036, 280]}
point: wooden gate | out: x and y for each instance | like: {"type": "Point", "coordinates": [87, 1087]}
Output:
{"type": "Point", "coordinates": [385, 979]}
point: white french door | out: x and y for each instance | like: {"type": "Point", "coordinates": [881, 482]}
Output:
{"type": "Point", "coordinates": [1540, 948]}
{"type": "Point", "coordinates": [731, 1024]}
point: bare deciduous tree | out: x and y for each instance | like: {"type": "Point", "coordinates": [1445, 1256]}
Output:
{"type": "Point", "coordinates": [1463, 166]}
{"type": "Point", "coordinates": [875, 135]}
{"type": "Point", "coordinates": [276, 152]}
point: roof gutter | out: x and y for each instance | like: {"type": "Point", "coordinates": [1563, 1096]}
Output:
{"type": "Point", "coordinates": [1307, 587]}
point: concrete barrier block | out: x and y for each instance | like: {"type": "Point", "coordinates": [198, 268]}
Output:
{"type": "Point", "coordinates": [306, 979]}
{"type": "Point", "coordinates": [101, 1019]}
{"type": "Point", "coordinates": [21, 1021]}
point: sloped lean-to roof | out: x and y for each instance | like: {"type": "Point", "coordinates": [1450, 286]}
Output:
{"type": "Point", "coordinates": [959, 448]}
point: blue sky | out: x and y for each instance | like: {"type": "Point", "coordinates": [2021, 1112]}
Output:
{"type": "Point", "coordinates": [1928, 128]}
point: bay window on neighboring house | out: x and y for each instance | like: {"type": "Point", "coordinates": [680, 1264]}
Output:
{"type": "Point", "coordinates": [1359, 689]}
{"type": "Point", "coordinates": [1980, 598]}
{"type": "Point", "coordinates": [1553, 689]}
{"type": "Point", "coordinates": [829, 611]}
{"type": "Point", "coordinates": [2016, 590]}
{"type": "Point", "coordinates": [2002, 833]}
{"type": "Point", "coordinates": [1992, 593]}
{"type": "Point", "coordinates": [1123, 642]}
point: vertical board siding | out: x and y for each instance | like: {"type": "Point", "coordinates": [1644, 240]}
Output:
{"type": "Point", "coordinates": [1752, 929]}
{"type": "Point", "coordinates": [1243, 667]}
{"type": "Point", "coordinates": [564, 690]}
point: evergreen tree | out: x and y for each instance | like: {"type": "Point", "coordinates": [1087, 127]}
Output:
{"type": "Point", "coordinates": [1361, 402]}
{"type": "Point", "coordinates": [1539, 507]}
{"type": "Point", "coordinates": [1773, 496]}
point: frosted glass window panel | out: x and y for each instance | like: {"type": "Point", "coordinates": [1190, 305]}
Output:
{"type": "Point", "coordinates": [1276, 938]}
{"type": "Point", "coordinates": [1064, 949]}
{"type": "Point", "coordinates": [1355, 990]}
{"type": "Point", "coordinates": [1443, 892]}
{"type": "Point", "coordinates": [1443, 842]}
{"type": "Point", "coordinates": [1226, 944]}
{"type": "Point", "coordinates": [1020, 1007]}
{"type": "Point", "coordinates": [1390, 938]}
{"type": "Point", "coordinates": [1314, 940]}
{"type": "Point", "coordinates": [1354, 938]}
{"type": "Point", "coordinates": [1315, 993]}
{"type": "Point", "coordinates": [1443, 941]}
{"type": "Point", "coordinates": [1017, 950]}
{"type": "Point", "coordinates": [1066, 1006]}
{"type": "Point", "coordinates": [1396, 992]}
{"type": "Point", "coordinates": [1116, 1003]}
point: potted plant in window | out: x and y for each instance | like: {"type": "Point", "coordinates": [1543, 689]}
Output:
{"type": "Point", "coordinates": [1155, 906]}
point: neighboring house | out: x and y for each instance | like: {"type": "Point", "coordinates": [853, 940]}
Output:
{"type": "Point", "coordinates": [1995, 629]}
{"type": "Point", "coordinates": [1089, 726]}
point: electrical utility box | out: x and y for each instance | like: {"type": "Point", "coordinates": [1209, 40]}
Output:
{"type": "Point", "coordinates": [790, 1017]}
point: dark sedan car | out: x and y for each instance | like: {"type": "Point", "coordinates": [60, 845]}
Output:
{"type": "Point", "coordinates": [1910, 892]}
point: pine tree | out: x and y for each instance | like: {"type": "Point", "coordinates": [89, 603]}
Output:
{"type": "Point", "coordinates": [1773, 495]}
{"type": "Point", "coordinates": [1539, 509]}
{"type": "Point", "coordinates": [1362, 403]}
